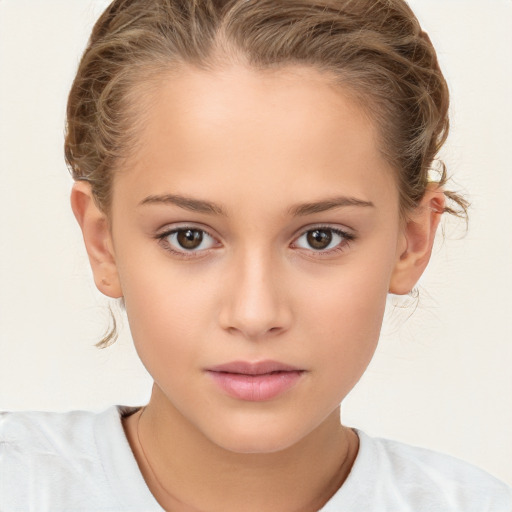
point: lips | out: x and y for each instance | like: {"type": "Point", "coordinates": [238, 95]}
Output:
{"type": "Point", "coordinates": [255, 382]}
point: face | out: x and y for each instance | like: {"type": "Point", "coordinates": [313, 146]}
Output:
{"type": "Point", "coordinates": [255, 235]}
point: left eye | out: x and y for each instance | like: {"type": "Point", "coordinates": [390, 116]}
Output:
{"type": "Point", "coordinates": [189, 239]}
{"type": "Point", "coordinates": [322, 239]}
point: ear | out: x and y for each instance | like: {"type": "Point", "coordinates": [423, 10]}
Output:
{"type": "Point", "coordinates": [98, 239]}
{"type": "Point", "coordinates": [418, 238]}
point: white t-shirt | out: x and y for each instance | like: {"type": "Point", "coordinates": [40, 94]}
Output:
{"type": "Point", "coordinates": [81, 461]}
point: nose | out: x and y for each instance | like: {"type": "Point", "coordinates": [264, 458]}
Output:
{"type": "Point", "coordinates": [255, 303]}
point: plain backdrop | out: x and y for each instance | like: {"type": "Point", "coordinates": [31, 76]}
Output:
{"type": "Point", "coordinates": [442, 376]}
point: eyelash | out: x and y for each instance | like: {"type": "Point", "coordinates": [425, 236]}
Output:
{"type": "Point", "coordinates": [193, 253]}
{"type": "Point", "coordinates": [184, 253]}
{"type": "Point", "coordinates": [346, 239]}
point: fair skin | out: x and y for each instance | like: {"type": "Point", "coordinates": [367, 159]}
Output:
{"type": "Point", "coordinates": [296, 240]}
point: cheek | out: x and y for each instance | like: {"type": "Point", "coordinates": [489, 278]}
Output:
{"type": "Point", "coordinates": [164, 296]}
{"type": "Point", "coordinates": [169, 313]}
{"type": "Point", "coordinates": [350, 298]}
{"type": "Point", "coordinates": [348, 324]}
{"type": "Point", "coordinates": [345, 319]}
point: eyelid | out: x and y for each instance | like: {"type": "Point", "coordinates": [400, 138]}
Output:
{"type": "Point", "coordinates": [178, 226]}
{"type": "Point", "coordinates": [344, 230]}
{"type": "Point", "coordinates": [347, 236]}
{"type": "Point", "coordinates": [162, 234]}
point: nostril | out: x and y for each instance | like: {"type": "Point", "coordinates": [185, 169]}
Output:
{"type": "Point", "coordinates": [253, 306]}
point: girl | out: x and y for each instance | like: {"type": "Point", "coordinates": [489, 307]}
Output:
{"type": "Point", "coordinates": [252, 180]}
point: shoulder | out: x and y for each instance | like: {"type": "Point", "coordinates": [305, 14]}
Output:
{"type": "Point", "coordinates": [66, 460]}
{"type": "Point", "coordinates": [55, 434]}
{"type": "Point", "coordinates": [51, 454]}
{"type": "Point", "coordinates": [390, 475]}
{"type": "Point", "coordinates": [40, 427]}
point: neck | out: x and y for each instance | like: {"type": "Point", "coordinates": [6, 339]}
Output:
{"type": "Point", "coordinates": [186, 472]}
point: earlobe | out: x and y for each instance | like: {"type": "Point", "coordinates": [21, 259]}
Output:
{"type": "Point", "coordinates": [97, 239]}
{"type": "Point", "coordinates": [417, 242]}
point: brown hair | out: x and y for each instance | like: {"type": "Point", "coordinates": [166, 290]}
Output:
{"type": "Point", "coordinates": [375, 48]}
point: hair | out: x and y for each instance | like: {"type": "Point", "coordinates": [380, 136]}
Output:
{"type": "Point", "coordinates": [375, 49]}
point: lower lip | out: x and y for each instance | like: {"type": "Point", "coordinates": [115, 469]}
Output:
{"type": "Point", "coordinates": [256, 388]}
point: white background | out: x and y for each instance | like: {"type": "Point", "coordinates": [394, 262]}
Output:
{"type": "Point", "coordinates": [441, 378]}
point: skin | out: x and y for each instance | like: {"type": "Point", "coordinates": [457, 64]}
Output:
{"type": "Point", "coordinates": [262, 148]}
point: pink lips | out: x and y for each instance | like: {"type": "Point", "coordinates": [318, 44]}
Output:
{"type": "Point", "coordinates": [255, 382]}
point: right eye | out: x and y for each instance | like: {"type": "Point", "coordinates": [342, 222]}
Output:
{"type": "Point", "coordinates": [187, 240]}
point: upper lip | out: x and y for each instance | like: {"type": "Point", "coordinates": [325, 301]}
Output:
{"type": "Point", "coordinates": [254, 368]}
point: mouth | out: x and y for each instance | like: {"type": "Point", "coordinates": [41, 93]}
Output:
{"type": "Point", "coordinates": [255, 382]}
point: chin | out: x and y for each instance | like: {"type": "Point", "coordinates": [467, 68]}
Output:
{"type": "Point", "coordinates": [262, 445]}
{"type": "Point", "coordinates": [257, 437]}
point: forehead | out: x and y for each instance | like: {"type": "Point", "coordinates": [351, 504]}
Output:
{"type": "Point", "coordinates": [292, 129]}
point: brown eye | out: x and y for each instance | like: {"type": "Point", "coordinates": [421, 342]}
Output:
{"type": "Point", "coordinates": [319, 239]}
{"type": "Point", "coordinates": [189, 238]}
{"type": "Point", "coordinates": [188, 241]}
{"type": "Point", "coordinates": [323, 240]}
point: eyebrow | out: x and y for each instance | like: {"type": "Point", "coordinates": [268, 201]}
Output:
{"type": "Point", "coordinates": [302, 209]}
{"type": "Point", "coordinates": [328, 204]}
{"type": "Point", "coordinates": [187, 203]}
